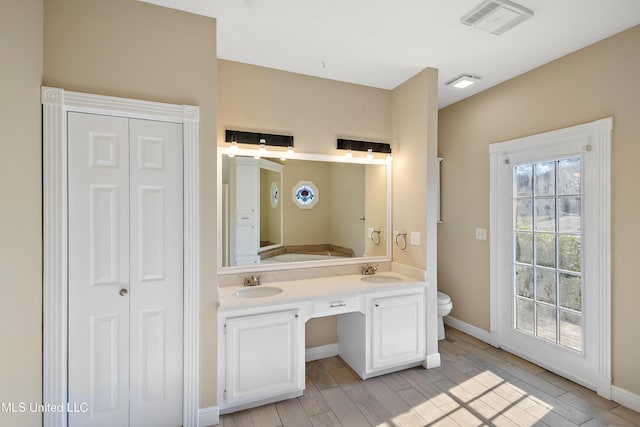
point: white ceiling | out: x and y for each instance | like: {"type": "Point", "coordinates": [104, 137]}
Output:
{"type": "Point", "coordinates": [382, 43]}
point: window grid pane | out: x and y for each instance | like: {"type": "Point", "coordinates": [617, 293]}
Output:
{"type": "Point", "coordinates": [547, 263]}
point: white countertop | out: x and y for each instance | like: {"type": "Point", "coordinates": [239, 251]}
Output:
{"type": "Point", "coordinates": [314, 288]}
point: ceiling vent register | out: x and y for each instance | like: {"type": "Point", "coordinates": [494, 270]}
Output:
{"type": "Point", "coordinates": [497, 16]}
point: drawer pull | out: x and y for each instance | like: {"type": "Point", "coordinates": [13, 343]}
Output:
{"type": "Point", "coordinates": [338, 305]}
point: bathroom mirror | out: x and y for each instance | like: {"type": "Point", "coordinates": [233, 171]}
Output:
{"type": "Point", "coordinates": [308, 210]}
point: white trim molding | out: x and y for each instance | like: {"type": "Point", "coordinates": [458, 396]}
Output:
{"type": "Point", "coordinates": [321, 352]}
{"type": "Point", "coordinates": [594, 141]}
{"type": "Point", "coordinates": [56, 103]}
{"type": "Point", "coordinates": [625, 398]}
{"type": "Point", "coordinates": [469, 329]}
{"type": "Point", "coordinates": [209, 416]}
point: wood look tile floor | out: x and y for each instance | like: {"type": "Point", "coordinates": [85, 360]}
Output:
{"type": "Point", "coordinates": [476, 385]}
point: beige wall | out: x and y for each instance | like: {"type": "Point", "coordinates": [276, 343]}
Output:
{"type": "Point", "coordinates": [20, 208]}
{"type": "Point", "coordinates": [306, 226]}
{"type": "Point", "coordinates": [596, 82]}
{"type": "Point", "coordinates": [347, 206]}
{"type": "Point", "coordinates": [270, 217]}
{"type": "Point", "coordinates": [136, 50]}
{"type": "Point", "coordinates": [414, 119]}
{"type": "Point", "coordinates": [316, 111]}
{"type": "Point", "coordinates": [375, 207]}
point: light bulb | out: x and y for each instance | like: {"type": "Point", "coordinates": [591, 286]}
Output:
{"type": "Point", "coordinates": [233, 149]}
{"type": "Point", "coordinates": [370, 154]}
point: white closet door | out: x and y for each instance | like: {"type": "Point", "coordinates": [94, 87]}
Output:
{"type": "Point", "coordinates": [156, 273]}
{"type": "Point", "coordinates": [98, 269]}
{"type": "Point", "coordinates": [125, 271]}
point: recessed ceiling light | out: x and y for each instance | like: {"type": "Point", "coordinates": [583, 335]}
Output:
{"type": "Point", "coordinates": [463, 81]}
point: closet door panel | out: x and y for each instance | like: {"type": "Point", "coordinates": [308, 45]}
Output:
{"type": "Point", "coordinates": [98, 269]}
{"type": "Point", "coordinates": [156, 273]}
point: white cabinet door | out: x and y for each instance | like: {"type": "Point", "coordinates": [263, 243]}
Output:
{"type": "Point", "coordinates": [125, 271]}
{"type": "Point", "coordinates": [397, 330]}
{"type": "Point", "coordinates": [245, 211]}
{"type": "Point", "coordinates": [262, 356]}
{"type": "Point", "coordinates": [246, 185]}
{"type": "Point", "coordinates": [246, 244]}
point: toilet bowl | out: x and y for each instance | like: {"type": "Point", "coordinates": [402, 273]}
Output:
{"type": "Point", "coordinates": [444, 307]}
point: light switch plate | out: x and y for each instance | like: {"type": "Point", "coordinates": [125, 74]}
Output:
{"type": "Point", "coordinates": [481, 234]}
{"type": "Point", "coordinates": [415, 238]}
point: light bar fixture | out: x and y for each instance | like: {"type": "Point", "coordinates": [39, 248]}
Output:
{"type": "Point", "coordinates": [262, 140]}
{"type": "Point", "coordinates": [351, 145]}
{"type": "Point", "coordinates": [463, 81]}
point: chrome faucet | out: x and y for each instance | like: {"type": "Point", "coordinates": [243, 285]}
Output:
{"type": "Point", "coordinates": [252, 280]}
{"type": "Point", "coordinates": [369, 270]}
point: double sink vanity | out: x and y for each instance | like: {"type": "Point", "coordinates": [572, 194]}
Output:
{"type": "Point", "coordinates": [386, 321]}
{"type": "Point", "coordinates": [261, 331]}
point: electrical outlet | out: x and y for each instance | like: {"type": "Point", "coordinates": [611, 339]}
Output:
{"type": "Point", "coordinates": [370, 232]}
{"type": "Point", "coordinates": [415, 238]}
{"type": "Point", "coordinates": [481, 234]}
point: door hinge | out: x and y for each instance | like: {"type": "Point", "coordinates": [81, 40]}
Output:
{"type": "Point", "coordinates": [224, 395]}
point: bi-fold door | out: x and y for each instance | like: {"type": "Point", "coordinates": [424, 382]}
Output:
{"type": "Point", "coordinates": [125, 271]}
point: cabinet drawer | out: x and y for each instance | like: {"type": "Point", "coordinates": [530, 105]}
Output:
{"type": "Point", "coordinates": [245, 219]}
{"type": "Point", "coordinates": [336, 306]}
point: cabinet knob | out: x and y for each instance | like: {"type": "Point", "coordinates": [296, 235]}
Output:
{"type": "Point", "coordinates": [123, 292]}
{"type": "Point", "coordinates": [377, 305]}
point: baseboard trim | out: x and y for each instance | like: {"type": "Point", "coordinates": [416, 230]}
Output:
{"type": "Point", "coordinates": [432, 361]}
{"type": "Point", "coordinates": [625, 398]}
{"type": "Point", "coordinates": [469, 329]}
{"type": "Point", "coordinates": [209, 416]}
{"type": "Point", "coordinates": [321, 352]}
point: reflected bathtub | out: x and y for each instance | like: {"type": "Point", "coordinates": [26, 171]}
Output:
{"type": "Point", "coordinates": [294, 257]}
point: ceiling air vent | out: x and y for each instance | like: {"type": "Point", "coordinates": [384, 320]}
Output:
{"type": "Point", "coordinates": [497, 16]}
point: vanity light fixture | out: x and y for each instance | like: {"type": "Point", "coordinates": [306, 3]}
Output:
{"type": "Point", "coordinates": [463, 81]}
{"type": "Point", "coordinates": [368, 147]}
{"type": "Point", "coordinates": [234, 146]}
{"type": "Point", "coordinates": [262, 140]}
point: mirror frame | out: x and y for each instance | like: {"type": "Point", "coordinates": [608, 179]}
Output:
{"type": "Point", "coordinates": [269, 154]}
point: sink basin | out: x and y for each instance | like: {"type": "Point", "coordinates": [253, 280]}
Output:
{"type": "Point", "coordinates": [380, 279]}
{"type": "Point", "coordinates": [257, 292]}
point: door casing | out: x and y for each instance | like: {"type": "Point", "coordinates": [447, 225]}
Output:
{"type": "Point", "coordinates": [597, 137]}
{"type": "Point", "coordinates": [56, 103]}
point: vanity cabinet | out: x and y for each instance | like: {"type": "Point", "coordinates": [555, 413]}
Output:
{"type": "Point", "coordinates": [381, 329]}
{"type": "Point", "coordinates": [397, 331]}
{"type": "Point", "coordinates": [262, 356]}
{"type": "Point", "coordinates": [255, 210]}
{"type": "Point", "coordinates": [388, 337]}
{"type": "Point", "coordinates": [245, 211]}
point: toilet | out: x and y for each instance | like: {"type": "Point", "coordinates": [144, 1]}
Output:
{"type": "Point", "coordinates": [444, 307]}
